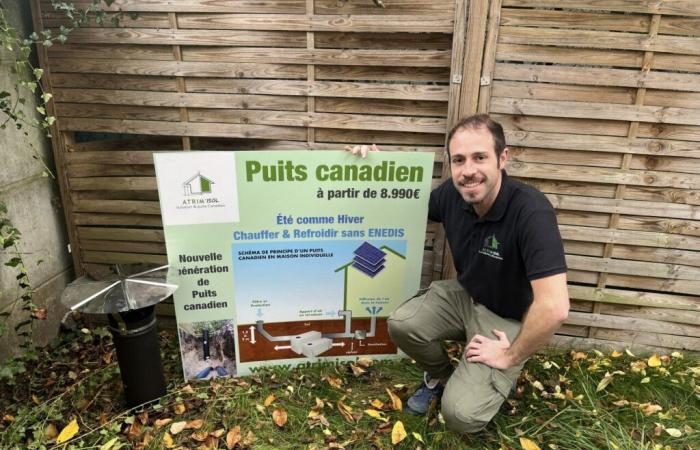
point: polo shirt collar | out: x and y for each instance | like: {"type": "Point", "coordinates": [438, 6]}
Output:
{"type": "Point", "coordinates": [499, 206]}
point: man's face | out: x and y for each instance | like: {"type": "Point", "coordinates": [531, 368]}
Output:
{"type": "Point", "coordinates": [476, 171]}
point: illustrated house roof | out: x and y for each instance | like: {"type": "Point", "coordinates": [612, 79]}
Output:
{"type": "Point", "coordinates": [194, 177]}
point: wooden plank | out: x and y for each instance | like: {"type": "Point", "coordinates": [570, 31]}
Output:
{"type": "Point", "coordinates": [392, 7]}
{"type": "Point", "coordinates": [683, 26]}
{"type": "Point", "coordinates": [574, 20]}
{"type": "Point", "coordinates": [599, 39]}
{"type": "Point", "coordinates": [89, 111]}
{"type": "Point", "coordinates": [494, 23]}
{"type": "Point", "coordinates": [672, 98]}
{"type": "Point", "coordinates": [631, 324]}
{"type": "Point", "coordinates": [583, 248]}
{"type": "Point", "coordinates": [602, 175]}
{"type": "Point", "coordinates": [113, 183]}
{"type": "Point", "coordinates": [559, 124]}
{"type": "Point", "coordinates": [383, 73]}
{"type": "Point", "coordinates": [473, 57]}
{"type": "Point", "coordinates": [177, 68]}
{"type": "Point", "coordinates": [99, 257]}
{"type": "Point", "coordinates": [584, 219]}
{"type": "Point", "coordinates": [322, 120]}
{"type": "Point", "coordinates": [636, 298]}
{"type": "Point", "coordinates": [199, 6]}
{"type": "Point", "coordinates": [621, 206]}
{"type": "Point", "coordinates": [382, 106]}
{"type": "Point", "coordinates": [176, 99]}
{"type": "Point", "coordinates": [666, 164]}
{"type": "Point", "coordinates": [662, 255]}
{"type": "Point", "coordinates": [124, 247]}
{"type": "Point", "coordinates": [541, 155]}
{"type": "Point", "coordinates": [674, 226]}
{"type": "Point", "coordinates": [121, 234]}
{"type": "Point", "coordinates": [53, 19]}
{"type": "Point", "coordinates": [91, 170]}
{"type": "Point", "coordinates": [586, 110]}
{"type": "Point", "coordinates": [151, 36]}
{"type": "Point", "coordinates": [436, 22]}
{"type": "Point", "coordinates": [685, 196]}
{"type": "Point", "coordinates": [572, 330]}
{"type": "Point", "coordinates": [652, 284]}
{"type": "Point", "coordinates": [379, 137]}
{"type": "Point", "coordinates": [117, 206]}
{"type": "Point", "coordinates": [666, 131]}
{"type": "Point", "coordinates": [383, 41]}
{"type": "Point", "coordinates": [572, 187]}
{"type": "Point", "coordinates": [608, 144]}
{"type": "Point", "coordinates": [643, 312]}
{"type": "Point", "coordinates": [592, 76]}
{"type": "Point", "coordinates": [130, 82]}
{"type": "Point", "coordinates": [457, 66]}
{"type": "Point", "coordinates": [179, 129]}
{"type": "Point", "coordinates": [652, 339]}
{"type": "Point", "coordinates": [560, 55]}
{"type": "Point", "coordinates": [128, 157]}
{"type": "Point", "coordinates": [641, 238]}
{"type": "Point", "coordinates": [405, 58]}
{"type": "Point", "coordinates": [396, 91]}
{"type": "Point", "coordinates": [584, 343]}
{"type": "Point", "coordinates": [571, 92]}
{"type": "Point", "coordinates": [674, 7]}
{"type": "Point", "coordinates": [117, 219]}
{"type": "Point", "coordinates": [638, 268]}
{"type": "Point", "coordinates": [105, 51]}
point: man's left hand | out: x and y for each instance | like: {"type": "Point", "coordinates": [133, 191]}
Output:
{"type": "Point", "coordinates": [492, 352]}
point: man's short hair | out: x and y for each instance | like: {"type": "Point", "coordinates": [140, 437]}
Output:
{"type": "Point", "coordinates": [478, 121]}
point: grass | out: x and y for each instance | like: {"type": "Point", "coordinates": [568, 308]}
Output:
{"type": "Point", "coordinates": [563, 400]}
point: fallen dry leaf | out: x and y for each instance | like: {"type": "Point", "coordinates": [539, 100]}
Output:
{"type": "Point", "coordinates": [378, 404]}
{"type": "Point", "coordinates": [187, 389]}
{"type": "Point", "coordinates": [168, 440]}
{"type": "Point", "coordinates": [249, 439]}
{"type": "Point", "coordinates": [177, 427]}
{"type": "Point", "coordinates": [616, 354]}
{"type": "Point", "coordinates": [528, 444]}
{"type": "Point", "coordinates": [396, 403]}
{"type": "Point", "coordinates": [418, 437]}
{"type": "Point", "coordinates": [233, 437]}
{"type": "Point", "coordinates": [39, 314]}
{"type": "Point", "coordinates": [199, 436]}
{"type": "Point", "coordinates": [398, 433]}
{"type": "Point", "coordinates": [195, 424]}
{"type": "Point", "coordinates": [376, 415]}
{"type": "Point", "coordinates": [637, 366]}
{"type": "Point", "coordinates": [345, 411]}
{"type": "Point", "coordinates": [333, 381]}
{"type": "Point", "coordinates": [51, 431]}
{"type": "Point", "coordinates": [68, 432]}
{"type": "Point", "coordinates": [269, 399]}
{"type": "Point", "coordinates": [357, 370]}
{"type": "Point", "coordinates": [649, 408]}
{"type": "Point", "coordinates": [654, 361]}
{"type": "Point", "coordinates": [621, 403]}
{"type": "Point", "coordinates": [133, 432]}
{"type": "Point", "coordinates": [279, 416]}
{"type": "Point", "coordinates": [607, 379]}
{"type": "Point", "coordinates": [179, 409]}
{"type": "Point", "coordinates": [576, 356]}
{"type": "Point", "coordinates": [364, 362]}
{"type": "Point", "coordinates": [160, 423]}
{"type": "Point", "coordinates": [675, 432]}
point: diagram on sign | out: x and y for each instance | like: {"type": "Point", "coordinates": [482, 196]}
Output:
{"type": "Point", "coordinates": [333, 302]}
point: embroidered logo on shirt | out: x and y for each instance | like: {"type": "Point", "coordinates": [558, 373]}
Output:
{"type": "Point", "coordinates": [491, 247]}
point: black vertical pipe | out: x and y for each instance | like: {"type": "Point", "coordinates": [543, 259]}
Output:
{"type": "Point", "coordinates": [205, 344]}
{"type": "Point", "coordinates": [135, 338]}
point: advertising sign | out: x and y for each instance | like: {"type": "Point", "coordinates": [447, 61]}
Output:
{"type": "Point", "coordinates": [290, 257]}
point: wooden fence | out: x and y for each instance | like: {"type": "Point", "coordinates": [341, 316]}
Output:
{"type": "Point", "coordinates": [600, 100]}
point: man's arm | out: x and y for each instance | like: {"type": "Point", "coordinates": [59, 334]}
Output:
{"type": "Point", "coordinates": [547, 312]}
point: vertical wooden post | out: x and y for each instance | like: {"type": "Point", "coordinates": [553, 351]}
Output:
{"type": "Point", "coordinates": [181, 87]}
{"type": "Point", "coordinates": [467, 97]}
{"type": "Point", "coordinates": [59, 142]}
{"type": "Point", "coordinates": [310, 78]}
{"type": "Point", "coordinates": [626, 160]}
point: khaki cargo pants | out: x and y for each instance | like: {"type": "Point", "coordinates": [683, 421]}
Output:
{"type": "Point", "coordinates": [474, 392]}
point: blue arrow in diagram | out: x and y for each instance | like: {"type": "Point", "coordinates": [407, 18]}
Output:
{"type": "Point", "coordinates": [260, 313]}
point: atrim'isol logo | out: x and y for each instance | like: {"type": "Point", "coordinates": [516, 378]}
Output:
{"type": "Point", "coordinates": [197, 185]}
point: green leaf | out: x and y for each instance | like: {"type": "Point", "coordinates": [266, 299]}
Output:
{"type": "Point", "coordinates": [41, 110]}
{"type": "Point", "coordinates": [38, 73]}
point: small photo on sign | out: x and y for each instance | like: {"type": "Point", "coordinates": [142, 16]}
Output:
{"type": "Point", "coordinates": [208, 349]}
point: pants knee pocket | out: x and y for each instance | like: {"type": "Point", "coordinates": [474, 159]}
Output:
{"type": "Point", "coordinates": [407, 310]}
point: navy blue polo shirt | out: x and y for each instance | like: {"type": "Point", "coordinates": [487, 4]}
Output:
{"type": "Point", "coordinates": [497, 255]}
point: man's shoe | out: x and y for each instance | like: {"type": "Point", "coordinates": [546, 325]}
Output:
{"type": "Point", "coordinates": [420, 401]}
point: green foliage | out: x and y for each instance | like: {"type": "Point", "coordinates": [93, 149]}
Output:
{"type": "Point", "coordinates": [19, 50]}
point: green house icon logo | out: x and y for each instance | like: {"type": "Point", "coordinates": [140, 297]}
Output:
{"type": "Point", "coordinates": [491, 242]}
{"type": "Point", "coordinates": [197, 185]}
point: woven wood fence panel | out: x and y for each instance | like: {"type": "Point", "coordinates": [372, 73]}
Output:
{"type": "Point", "coordinates": [235, 75]}
{"type": "Point", "coordinates": [601, 102]}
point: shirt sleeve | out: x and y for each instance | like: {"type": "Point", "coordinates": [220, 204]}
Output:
{"type": "Point", "coordinates": [541, 246]}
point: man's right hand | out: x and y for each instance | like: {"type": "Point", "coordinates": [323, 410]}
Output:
{"type": "Point", "coordinates": [362, 150]}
